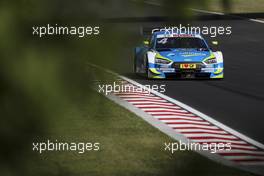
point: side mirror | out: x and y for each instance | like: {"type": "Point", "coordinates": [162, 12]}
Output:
{"type": "Point", "coordinates": [215, 43]}
{"type": "Point", "coordinates": [214, 46]}
{"type": "Point", "coordinates": [146, 43]}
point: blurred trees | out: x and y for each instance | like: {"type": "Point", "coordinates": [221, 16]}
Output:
{"type": "Point", "coordinates": [226, 4]}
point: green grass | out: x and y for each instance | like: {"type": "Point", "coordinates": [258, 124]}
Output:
{"type": "Point", "coordinates": [128, 145]}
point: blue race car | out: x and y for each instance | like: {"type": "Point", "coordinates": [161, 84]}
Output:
{"type": "Point", "coordinates": [172, 55]}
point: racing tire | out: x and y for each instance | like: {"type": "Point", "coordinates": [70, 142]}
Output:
{"type": "Point", "coordinates": [134, 62]}
{"type": "Point", "coordinates": [135, 65]}
{"type": "Point", "coordinates": [147, 72]}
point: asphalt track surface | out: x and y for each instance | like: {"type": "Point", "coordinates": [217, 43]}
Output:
{"type": "Point", "coordinates": [238, 100]}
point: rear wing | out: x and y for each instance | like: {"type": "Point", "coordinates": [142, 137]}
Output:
{"type": "Point", "coordinates": [148, 31]}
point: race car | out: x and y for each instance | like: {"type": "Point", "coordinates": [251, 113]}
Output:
{"type": "Point", "coordinates": [173, 55]}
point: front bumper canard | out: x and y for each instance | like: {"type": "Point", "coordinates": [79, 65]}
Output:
{"type": "Point", "coordinates": [187, 70]}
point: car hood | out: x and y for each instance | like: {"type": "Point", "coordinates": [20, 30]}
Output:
{"type": "Point", "coordinates": [185, 55]}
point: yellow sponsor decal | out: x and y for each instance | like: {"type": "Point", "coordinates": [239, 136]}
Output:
{"type": "Point", "coordinates": [187, 66]}
{"type": "Point", "coordinates": [153, 70]}
{"type": "Point", "coordinates": [218, 71]}
{"type": "Point", "coordinates": [219, 76]}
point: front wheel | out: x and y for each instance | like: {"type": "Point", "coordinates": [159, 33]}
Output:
{"type": "Point", "coordinates": [147, 72]}
{"type": "Point", "coordinates": [135, 65]}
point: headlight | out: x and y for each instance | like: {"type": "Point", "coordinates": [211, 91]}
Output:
{"type": "Point", "coordinates": [211, 61]}
{"type": "Point", "coordinates": [161, 61]}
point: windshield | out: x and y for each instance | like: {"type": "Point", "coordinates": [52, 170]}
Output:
{"type": "Point", "coordinates": [180, 42]}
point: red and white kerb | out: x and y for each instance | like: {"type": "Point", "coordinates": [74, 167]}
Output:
{"type": "Point", "coordinates": [195, 128]}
